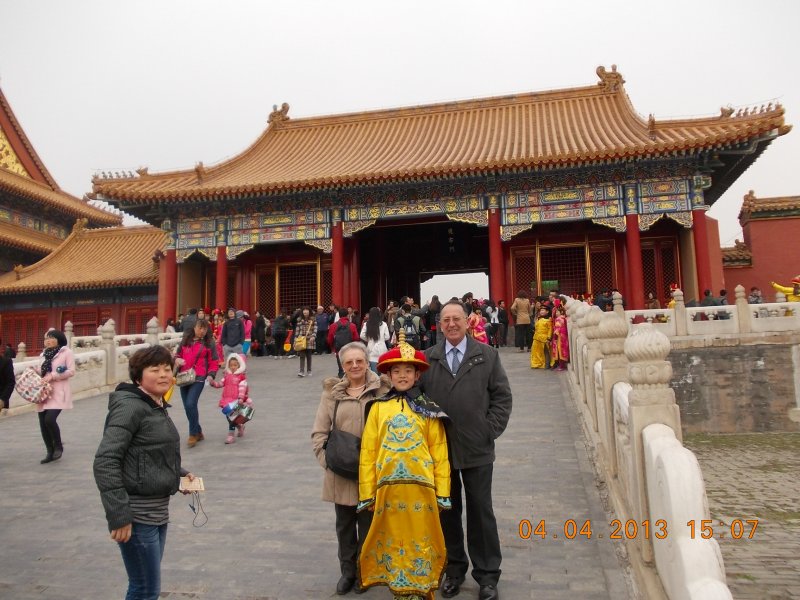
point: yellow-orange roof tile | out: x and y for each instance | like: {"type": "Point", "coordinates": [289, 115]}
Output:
{"type": "Point", "coordinates": [92, 258]}
{"type": "Point", "coordinates": [63, 203]}
{"type": "Point", "coordinates": [737, 255]}
{"type": "Point", "coordinates": [27, 239]}
{"type": "Point", "coordinates": [585, 124]}
{"type": "Point", "coordinates": [753, 207]}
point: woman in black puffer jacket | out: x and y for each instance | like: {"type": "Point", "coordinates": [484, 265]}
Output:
{"type": "Point", "coordinates": [137, 468]}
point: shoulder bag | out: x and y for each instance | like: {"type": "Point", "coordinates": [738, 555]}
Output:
{"type": "Point", "coordinates": [342, 450]}
{"type": "Point", "coordinates": [301, 341]}
{"type": "Point", "coordinates": [32, 388]}
{"type": "Point", "coordinates": [187, 377]}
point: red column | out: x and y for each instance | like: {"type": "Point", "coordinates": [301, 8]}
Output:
{"type": "Point", "coordinates": [171, 287]}
{"type": "Point", "coordinates": [633, 247]}
{"type": "Point", "coordinates": [246, 298]}
{"type": "Point", "coordinates": [507, 273]}
{"type": "Point", "coordinates": [347, 271]}
{"type": "Point", "coordinates": [337, 263]}
{"type": "Point", "coordinates": [221, 298]}
{"type": "Point", "coordinates": [355, 277]}
{"type": "Point", "coordinates": [167, 288]}
{"type": "Point", "coordinates": [497, 286]}
{"type": "Point", "coordinates": [700, 234]}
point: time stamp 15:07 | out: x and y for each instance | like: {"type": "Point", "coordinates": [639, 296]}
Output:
{"type": "Point", "coordinates": [571, 529]}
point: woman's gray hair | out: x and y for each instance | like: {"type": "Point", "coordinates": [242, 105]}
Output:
{"type": "Point", "coordinates": [354, 346]}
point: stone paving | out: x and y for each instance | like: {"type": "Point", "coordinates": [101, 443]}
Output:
{"type": "Point", "coordinates": [754, 476]}
{"type": "Point", "coordinates": [268, 535]}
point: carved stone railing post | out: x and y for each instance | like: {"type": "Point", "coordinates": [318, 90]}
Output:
{"type": "Point", "coordinates": [576, 343]}
{"type": "Point", "coordinates": [22, 351]}
{"type": "Point", "coordinates": [593, 354]}
{"type": "Point", "coordinates": [572, 306]}
{"type": "Point", "coordinates": [651, 401]}
{"type": "Point", "coordinates": [107, 333]}
{"type": "Point", "coordinates": [743, 311]}
{"type": "Point", "coordinates": [152, 332]}
{"type": "Point", "coordinates": [69, 329]}
{"type": "Point", "coordinates": [681, 327]}
{"type": "Point", "coordinates": [618, 308]}
{"type": "Point", "coordinates": [612, 332]}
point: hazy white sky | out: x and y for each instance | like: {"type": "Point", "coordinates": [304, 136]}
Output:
{"type": "Point", "coordinates": [101, 85]}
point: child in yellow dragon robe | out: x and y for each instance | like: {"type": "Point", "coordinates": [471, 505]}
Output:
{"type": "Point", "coordinates": [542, 334]}
{"type": "Point", "coordinates": [404, 477]}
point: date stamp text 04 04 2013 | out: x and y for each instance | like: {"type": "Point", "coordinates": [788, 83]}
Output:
{"type": "Point", "coordinates": [618, 530]}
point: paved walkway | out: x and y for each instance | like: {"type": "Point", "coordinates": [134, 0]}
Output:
{"type": "Point", "coordinates": [754, 476]}
{"type": "Point", "coordinates": [268, 535]}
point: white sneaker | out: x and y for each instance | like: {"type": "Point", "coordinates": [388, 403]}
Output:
{"type": "Point", "coordinates": [308, 374]}
{"type": "Point", "coordinates": [301, 374]}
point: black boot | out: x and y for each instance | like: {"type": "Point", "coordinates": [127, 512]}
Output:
{"type": "Point", "coordinates": [59, 450]}
{"type": "Point", "coordinates": [47, 459]}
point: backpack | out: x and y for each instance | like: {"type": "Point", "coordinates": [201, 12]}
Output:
{"type": "Point", "coordinates": [342, 336]}
{"type": "Point", "coordinates": [411, 330]}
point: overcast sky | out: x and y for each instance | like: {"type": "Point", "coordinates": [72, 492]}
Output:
{"type": "Point", "coordinates": [101, 85]}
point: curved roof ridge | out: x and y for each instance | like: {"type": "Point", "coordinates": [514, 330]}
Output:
{"type": "Point", "coordinates": [5, 106]}
{"type": "Point", "coordinates": [23, 272]}
{"type": "Point", "coordinates": [67, 203]}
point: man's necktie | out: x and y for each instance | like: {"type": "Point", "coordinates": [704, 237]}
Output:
{"type": "Point", "coordinates": [456, 361]}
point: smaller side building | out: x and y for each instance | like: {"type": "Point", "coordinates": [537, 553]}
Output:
{"type": "Point", "coordinates": [770, 250]}
{"type": "Point", "coordinates": [93, 276]}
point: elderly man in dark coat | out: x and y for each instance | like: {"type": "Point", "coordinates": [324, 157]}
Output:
{"type": "Point", "coordinates": [467, 380]}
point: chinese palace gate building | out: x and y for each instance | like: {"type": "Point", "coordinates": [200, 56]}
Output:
{"type": "Point", "coordinates": [568, 187]}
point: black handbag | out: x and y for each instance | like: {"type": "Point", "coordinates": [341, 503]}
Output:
{"type": "Point", "coordinates": [342, 450]}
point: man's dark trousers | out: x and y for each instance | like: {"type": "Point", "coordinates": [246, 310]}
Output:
{"type": "Point", "coordinates": [483, 541]}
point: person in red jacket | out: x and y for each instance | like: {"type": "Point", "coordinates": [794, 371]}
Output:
{"type": "Point", "coordinates": [235, 392]}
{"type": "Point", "coordinates": [340, 333]}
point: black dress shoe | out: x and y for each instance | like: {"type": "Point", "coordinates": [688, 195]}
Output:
{"type": "Point", "coordinates": [488, 592]}
{"type": "Point", "coordinates": [46, 459]}
{"type": "Point", "coordinates": [57, 453]}
{"type": "Point", "coordinates": [345, 584]}
{"type": "Point", "coordinates": [451, 587]}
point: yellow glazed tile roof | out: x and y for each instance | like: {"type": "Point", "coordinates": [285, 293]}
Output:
{"type": "Point", "coordinates": [92, 258]}
{"type": "Point", "coordinates": [586, 124]}
{"type": "Point", "coordinates": [27, 239]}
{"type": "Point", "coordinates": [737, 255]}
{"type": "Point", "coordinates": [63, 203]}
{"type": "Point", "coordinates": [778, 206]}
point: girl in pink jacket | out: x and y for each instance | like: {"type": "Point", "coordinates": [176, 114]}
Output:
{"type": "Point", "coordinates": [234, 391]}
{"type": "Point", "coordinates": [57, 367]}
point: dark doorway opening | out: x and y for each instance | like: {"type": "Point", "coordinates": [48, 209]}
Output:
{"type": "Point", "coordinates": [394, 254]}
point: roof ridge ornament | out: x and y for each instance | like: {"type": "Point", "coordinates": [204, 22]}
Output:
{"type": "Point", "coordinates": [200, 170]}
{"type": "Point", "coordinates": [725, 111]}
{"type": "Point", "coordinates": [276, 117]}
{"type": "Point", "coordinates": [80, 225]}
{"type": "Point", "coordinates": [610, 80]}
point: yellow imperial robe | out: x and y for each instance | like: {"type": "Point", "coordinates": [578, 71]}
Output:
{"type": "Point", "coordinates": [403, 469]}
{"type": "Point", "coordinates": [542, 332]}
